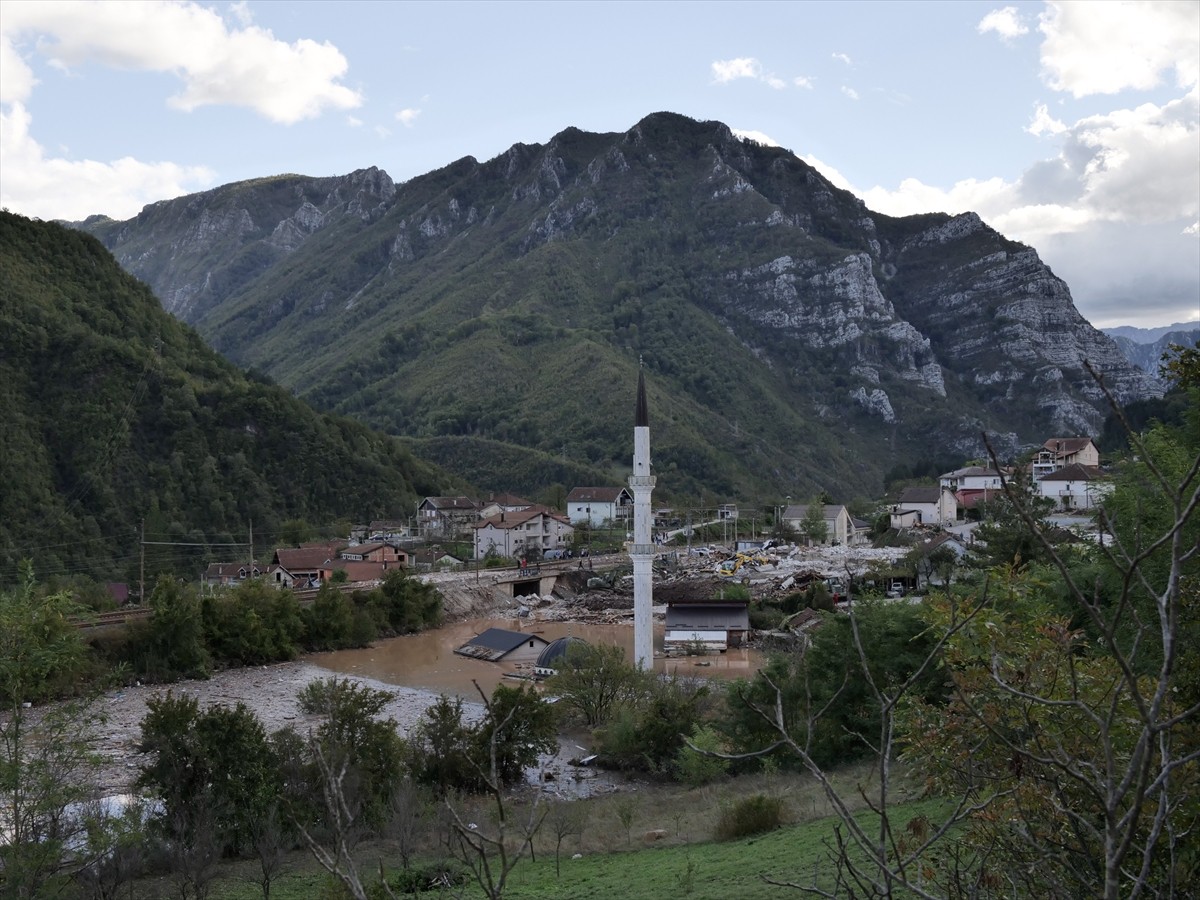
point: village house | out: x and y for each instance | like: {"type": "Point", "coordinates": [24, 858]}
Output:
{"type": "Point", "coordinates": [839, 527]}
{"type": "Point", "coordinates": [597, 505]}
{"type": "Point", "coordinates": [924, 506]}
{"type": "Point", "coordinates": [376, 552]}
{"type": "Point", "coordinates": [500, 644]}
{"type": "Point", "coordinates": [927, 569]}
{"type": "Point", "coordinates": [706, 624]}
{"type": "Point", "coordinates": [446, 516]}
{"type": "Point", "coordinates": [973, 485]}
{"type": "Point", "coordinates": [229, 574]}
{"type": "Point", "coordinates": [498, 503]}
{"type": "Point", "coordinates": [431, 559]}
{"type": "Point", "coordinates": [529, 533]}
{"type": "Point", "coordinates": [1075, 486]}
{"type": "Point", "coordinates": [861, 535]}
{"type": "Point", "coordinates": [1059, 453]}
{"type": "Point", "coordinates": [301, 567]}
{"type": "Point", "coordinates": [364, 572]}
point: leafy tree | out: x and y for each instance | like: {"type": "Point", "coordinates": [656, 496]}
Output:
{"type": "Point", "coordinates": [440, 748]}
{"type": "Point", "coordinates": [212, 769]}
{"type": "Point", "coordinates": [825, 697]}
{"type": "Point", "coordinates": [46, 763]}
{"type": "Point", "coordinates": [813, 526]}
{"type": "Point", "coordinates": [172, 645]}
{"type": "Point", "coordinates": [252, 624]}
{"type": "Point", "coordinates": [403, 605]}
{"type": "Point", "coordinates": [518, 727]}
{"type": "Point", "coordinates": [329, 622]}
{"type": "Point", "coordinates": [1067, 756]}
{"type": "Point", "coordinates": [352, 737]}
{"type": "Point", "coordinates": [595, 680]}
{"type": "Point", "coordinates": [1013, 530]}
{"type": "Point", "coordinates": [649, 734]}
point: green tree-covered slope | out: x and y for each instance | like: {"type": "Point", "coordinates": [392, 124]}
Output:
{"type": "Point", "coordinates": [115, 412]}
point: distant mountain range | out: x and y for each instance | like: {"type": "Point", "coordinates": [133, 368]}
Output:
{"type": "Point", "coordinates": [1151, 335]}
{"type": "Point", "coordinates": [495, 315]}
{"type": "Point", "coordinates": [1144, 347]}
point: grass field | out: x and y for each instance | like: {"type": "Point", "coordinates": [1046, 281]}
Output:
{"type": "Point", "coordinates": [615, 861]}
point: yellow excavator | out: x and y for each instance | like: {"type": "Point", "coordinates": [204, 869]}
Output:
{"type": "Point", "coordinates": [730, 566]}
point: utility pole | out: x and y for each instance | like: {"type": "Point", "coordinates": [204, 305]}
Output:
{"type": "Point", "coordinates": [251, 547]}
{"type": "Point", "coordinates": [142, 576]}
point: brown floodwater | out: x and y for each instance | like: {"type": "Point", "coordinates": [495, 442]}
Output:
{"type": "Point", "coordinates": [427, 660]}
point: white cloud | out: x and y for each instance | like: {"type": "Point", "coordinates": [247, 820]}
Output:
{"type": "Point", "coordinates": [1044, 123]}
{"type": "Point", "coordinates": [757, 136]}
{"type": "Point", "coordinates": [241, 12]}
{"type": "Point", "coordinates": [1005, 22]}
{"type": "Point", "coordinates": [354, 121]}
{"type": "Point", "coordinates": [52, 188]}
{"type": "Point", "coordinates": [850, 92]}
{"type": "Point", "coordinates": [842, 57]}
{"type": "Point", "coordinates": [728, 70]}
{"type": "Point", "coordinates": [1194, 228]}
{"type": "Point", "coordinates": [1103, 48]}
{"type": "Point", "coordinates": [16, 78]}
{"type": "Point", "coordinates": [245, 66]}
{"type": "Point", "coordinates": [407, 117]}
{"type": "Point", "coordinates": [802, 81]}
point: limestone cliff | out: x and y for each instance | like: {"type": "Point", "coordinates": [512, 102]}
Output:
{"type": "Point", "coordinates": [790, 326]}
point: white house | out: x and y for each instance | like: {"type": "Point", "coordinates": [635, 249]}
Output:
{"type": "Point", "coordinates": [932, 505]}
{"type": "Point", "coordinates": [597, 505]}
{"type": "Point", "coordinates": [971, 478]}
{"type": "Point", "coordinates": [528, 532]}
{"type": "Point", "coordinates": [839, 527]}
{"type": "Point", "coordinates": [1075, 487]}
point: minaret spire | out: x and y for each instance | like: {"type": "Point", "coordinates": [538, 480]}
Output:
{"type": "Point", "coordinates": [642, 416]}
{"type": "Point", "coordinates": [641, 551]}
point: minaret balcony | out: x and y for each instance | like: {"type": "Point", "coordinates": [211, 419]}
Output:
{"type": "Point", "coordinates": [645, 482]}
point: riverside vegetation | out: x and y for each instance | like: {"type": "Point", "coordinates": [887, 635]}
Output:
{"type": "Point", "coordinates": [1040, 706]}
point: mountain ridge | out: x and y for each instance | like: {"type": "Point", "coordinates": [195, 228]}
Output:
{"type": "Point", "coordinates": [794, 335]}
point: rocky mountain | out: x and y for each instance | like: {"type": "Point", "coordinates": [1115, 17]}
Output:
{"type": "Point", "coordinates": [120, 422]}
{"type": "Point", "coordinates": [1144, 347]}
{"type": "Point", "coordinates": [1149, 335]}
{"type": "Point", "coordinates": [496, 313]}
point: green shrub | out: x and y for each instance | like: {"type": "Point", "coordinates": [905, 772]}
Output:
{"type": "Point", "coordinates": [695, 767]}
{"type": "Point", "coordinates": [756, 814]}
{"type": "Point", "coordinates": [766, 618]}
{"type": "Point", "coordinates": [419, 879]}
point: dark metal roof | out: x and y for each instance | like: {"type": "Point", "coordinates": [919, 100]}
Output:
{"type": "Point", "coordinates": [709, 616]}
{"type": "Point", "coordinates": [495, 643]}
{"type": "Point", "coordinates": [556, 650]}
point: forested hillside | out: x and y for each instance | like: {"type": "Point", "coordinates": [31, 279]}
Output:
{"type": "Point", "coordinates": [116, 412]}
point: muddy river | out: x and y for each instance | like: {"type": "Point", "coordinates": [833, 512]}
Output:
{"type": "Point", "coordinates": [427, 660]}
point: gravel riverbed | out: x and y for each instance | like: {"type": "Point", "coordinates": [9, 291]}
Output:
{"type": "Point", "coordinates": [269, 691]}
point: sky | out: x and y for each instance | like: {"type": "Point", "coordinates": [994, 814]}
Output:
{"type": "Point", "coordinates": [1071, 126]}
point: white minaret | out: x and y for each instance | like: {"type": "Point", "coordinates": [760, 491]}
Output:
{"type": "Point", "coordinates": [641, 551]}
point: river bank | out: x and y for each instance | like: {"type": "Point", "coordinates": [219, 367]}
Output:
{"type": "Point", "coordinates": [270, 691]}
